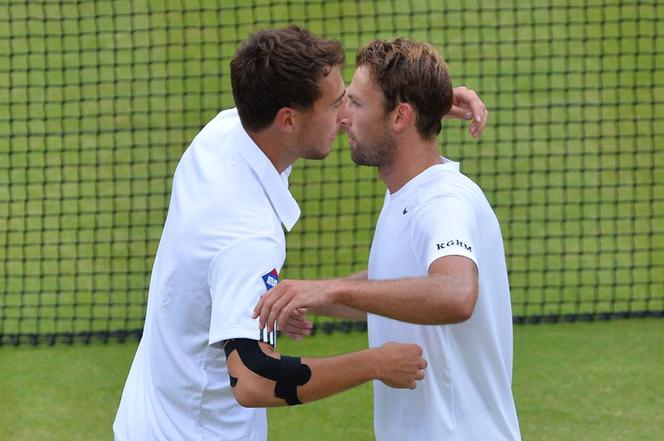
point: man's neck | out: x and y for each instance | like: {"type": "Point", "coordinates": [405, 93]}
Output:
{"type": "Point", "coordinates": [408, 162]}
{"type": "Point", "coordinates": [269, 143]}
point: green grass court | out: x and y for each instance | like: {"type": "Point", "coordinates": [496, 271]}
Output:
{"type": "Point", "coordinates": [584, 381]}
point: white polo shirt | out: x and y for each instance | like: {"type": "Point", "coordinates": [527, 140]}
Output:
{"type": "Point", "coordinates": [221, 248]}
{"type": "Point", "coordinates": [466, 394]}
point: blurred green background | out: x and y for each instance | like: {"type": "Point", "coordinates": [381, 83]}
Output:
{"type": "Point", "coordinates": [99, 99]}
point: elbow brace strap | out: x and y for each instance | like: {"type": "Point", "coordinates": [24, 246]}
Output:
{"type": "Point", "coordinates": [288, 372]}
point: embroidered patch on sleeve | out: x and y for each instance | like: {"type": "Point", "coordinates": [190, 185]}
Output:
{"type": "Point", "coordinates": [271, 279]}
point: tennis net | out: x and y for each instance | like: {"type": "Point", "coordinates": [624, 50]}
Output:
{"type": "Point", "coordinates": [98, 100]}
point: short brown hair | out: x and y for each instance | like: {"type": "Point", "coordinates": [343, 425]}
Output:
{"type": "Point", "coordinates": [410, 72]}
{"type": "Point", "coordinates": [278, 68]}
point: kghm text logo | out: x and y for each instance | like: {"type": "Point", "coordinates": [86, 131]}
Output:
{"type": "Point", "coordinates": [453, 243]}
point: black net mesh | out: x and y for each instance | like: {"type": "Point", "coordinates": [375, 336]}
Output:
{"type": "Point", "coordinates": [98, 100]}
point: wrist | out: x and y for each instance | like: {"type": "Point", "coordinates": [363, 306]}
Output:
{"type": "Point", "coordinates": [376, 363]}
{"type": "Point", "coordinates": [338, 288]}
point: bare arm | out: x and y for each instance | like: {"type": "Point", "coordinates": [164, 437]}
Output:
{"type": "Point", "coordinates": [396, 364]}
{"type": "Point", "coordinates": [447, 295]}
{"type": "Point", "coordinates": [297, 325]}
{"type": "Point", "coordinates": [338, 310]}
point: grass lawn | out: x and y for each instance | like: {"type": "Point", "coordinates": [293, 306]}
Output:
{"type": "Point", "coordinates": [584, 381]}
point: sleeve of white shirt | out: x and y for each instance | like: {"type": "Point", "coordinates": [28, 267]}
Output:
{"type": "Point", "coordinates": [238, 276]}
{"type": "Point", "coordinates": [445, 227]}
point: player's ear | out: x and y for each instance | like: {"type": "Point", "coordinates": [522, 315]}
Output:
{"type": "Point", "coordinates": [403, 116]}
{"type": "Point", "coordinates": [285, 119]}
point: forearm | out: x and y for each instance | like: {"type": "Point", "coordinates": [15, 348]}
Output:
{"type": "Point", "coordinates": [446, 295]}
{"type": "Point", "coordinates": [329, 375]}
{"type": "Point", "coordinates": [344, 311]}
{"type": "Point", "coordinates": [435, 299]}
{"type": "Point", "coordinates": [341, 311]}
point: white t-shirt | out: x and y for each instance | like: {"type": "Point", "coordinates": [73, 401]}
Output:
{"type": "Point", "coordinates": [466, 394]}
{"type": "Point", "coordinates": [222, 246]}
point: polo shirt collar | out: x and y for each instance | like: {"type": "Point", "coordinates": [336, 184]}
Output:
{"type": "Point", "coordinates": [274, 184]}
{"type": "Point", "coordinates": [445, 164]}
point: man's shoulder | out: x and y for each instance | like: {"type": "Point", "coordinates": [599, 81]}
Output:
{"type": "Point", "coordinates": [448, 183]}
{"type": "Point", "coordinates": [219, 127]}
{"type": "Point", "coordinates": [455, 178]}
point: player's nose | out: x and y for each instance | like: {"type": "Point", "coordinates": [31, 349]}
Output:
{"type": "Point", "coordinates": [343, 116]}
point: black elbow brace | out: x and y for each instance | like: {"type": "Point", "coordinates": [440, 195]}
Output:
{"type": "Point", "coordinates": [288, 372]}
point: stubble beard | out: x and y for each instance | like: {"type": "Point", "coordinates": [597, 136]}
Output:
{"type": "Point", "coordinates": [315, 152]}
{"type": "Point", "coordinates": [377, 152]}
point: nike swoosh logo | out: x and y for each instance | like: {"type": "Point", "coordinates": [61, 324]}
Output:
{"type": "Point", "coordinates": [405, 210]}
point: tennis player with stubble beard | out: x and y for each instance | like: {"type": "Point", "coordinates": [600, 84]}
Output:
{"type": "Point", "coordinates": [437, 275]}
{"type": "Point", "coordinates": [204, 370]}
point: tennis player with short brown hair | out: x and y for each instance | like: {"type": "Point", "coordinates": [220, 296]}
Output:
{"type": "Point", "coordinates": [437, 275]}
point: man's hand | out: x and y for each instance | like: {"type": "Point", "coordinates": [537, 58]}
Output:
{"type": "Point", "coordinates": [280, 302]}
{"type": "Point", "coordinates": [467, 105]}
{"type": "Point", "coordinates": [297, 325]}
{"type": "Point", "coordinates": [401, 365]}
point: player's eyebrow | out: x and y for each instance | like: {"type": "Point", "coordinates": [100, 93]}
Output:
{"type": "Point", "coordinates": [339, 97]}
